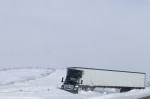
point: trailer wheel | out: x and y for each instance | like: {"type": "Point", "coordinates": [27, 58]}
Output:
{"type": "Point", "coordinates": [125, 89]}
{"type": "Point", "coordinates": [118, 90]}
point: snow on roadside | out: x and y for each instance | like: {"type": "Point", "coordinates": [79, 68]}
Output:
{"type": "Point", "coordinates": [133, 94]}
{"type": "Point", "coordinates": [9, 97]}
{"type": "Point", "coordinates": [21, 75]}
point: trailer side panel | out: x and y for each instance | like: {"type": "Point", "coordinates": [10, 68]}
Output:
{"type": "Point", "coordinates": [112, 78]}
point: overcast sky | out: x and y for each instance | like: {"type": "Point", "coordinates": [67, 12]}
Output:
{"type": "Point", "coordinates": [104, 34]}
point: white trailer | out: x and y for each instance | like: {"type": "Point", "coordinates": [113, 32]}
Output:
{"type": "Point", "coordinates": [89, 78]}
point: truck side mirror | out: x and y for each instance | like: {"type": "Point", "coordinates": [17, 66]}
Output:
{"type": "Point", "coordinates": [81, 81]}
{"type": "Point", "coordinates": [62, 79]}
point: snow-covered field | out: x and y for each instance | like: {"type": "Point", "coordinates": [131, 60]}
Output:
{"type": "Point", "coordinates": [45, 84]}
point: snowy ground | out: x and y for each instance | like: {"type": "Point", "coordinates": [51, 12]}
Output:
{"type": "Point", "coordinates": [45, 84]}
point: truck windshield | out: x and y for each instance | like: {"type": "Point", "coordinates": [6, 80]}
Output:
{"type": "Point", "coordinates": [71, 80]}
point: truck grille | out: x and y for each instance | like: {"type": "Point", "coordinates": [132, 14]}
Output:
{"type": "Point", "coordinates": [68, 87]}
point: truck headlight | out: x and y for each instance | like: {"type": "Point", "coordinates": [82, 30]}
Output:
{"type": "Point", "coordinates": [75, 88]}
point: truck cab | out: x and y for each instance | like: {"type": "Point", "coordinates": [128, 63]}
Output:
{"type": "Point", "coordinates": [72, 81]}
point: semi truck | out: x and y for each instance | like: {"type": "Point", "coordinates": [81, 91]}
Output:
{"type": "Point", "coordinates": [80, 78]}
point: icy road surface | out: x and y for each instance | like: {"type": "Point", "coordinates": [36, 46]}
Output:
{"type": "Point", "coordinates": [45, 84]}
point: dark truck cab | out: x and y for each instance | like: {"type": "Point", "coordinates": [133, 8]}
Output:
{"type": "Point", "coordinates": [72, 81]}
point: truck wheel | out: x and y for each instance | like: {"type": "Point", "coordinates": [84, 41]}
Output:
{"type": "Point", "coordinates": [79, 89]}
{"type": "Point", "coordinates": [62, 87]}
{"type": "Point", "coordinates": [92, 88]}
{"type": "Point", "coordinates": [85, 88]}
{"type": "Point", "coordinates": [76, 91]}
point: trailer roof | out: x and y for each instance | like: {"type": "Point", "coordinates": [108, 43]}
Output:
{"type": "Point", "coordinates": [104, 69]}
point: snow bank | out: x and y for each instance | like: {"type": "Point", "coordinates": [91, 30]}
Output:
{"type": "Point", "coordinates": [133, 94]}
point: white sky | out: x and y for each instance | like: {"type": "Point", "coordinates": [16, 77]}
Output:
{"type": "Point", "coordinates": [104, 34]}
